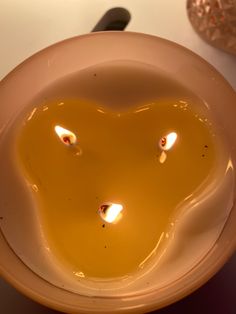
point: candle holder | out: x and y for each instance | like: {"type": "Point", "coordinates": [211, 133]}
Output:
{"type": "Point", "coordinates": [199, 243]}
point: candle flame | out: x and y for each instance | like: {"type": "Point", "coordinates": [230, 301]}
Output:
{"type": "Point", "coordinates": [111, 212]}
{"type": "Point", "coordinates": [168, 141]}
{"type": "Point", "coordinates": [67, 137]}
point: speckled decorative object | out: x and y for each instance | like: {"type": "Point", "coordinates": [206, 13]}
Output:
{"type": "Point", "coordinates": [215, 22]}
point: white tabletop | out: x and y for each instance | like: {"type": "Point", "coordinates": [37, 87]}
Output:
{"type": "Point", "coordinates": [28, 26]}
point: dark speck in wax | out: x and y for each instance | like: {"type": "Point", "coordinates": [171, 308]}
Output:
{"type": "Point", "coordinates": [103, 225]}
{"type": "Point", "coordinates": [1, 218]}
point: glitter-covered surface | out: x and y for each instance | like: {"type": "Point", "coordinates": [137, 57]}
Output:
{"type": "Point", "coordinates": [215, 21]}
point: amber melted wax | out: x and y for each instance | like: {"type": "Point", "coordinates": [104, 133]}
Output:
{"type": "Point", "coordinates": [116, 158]}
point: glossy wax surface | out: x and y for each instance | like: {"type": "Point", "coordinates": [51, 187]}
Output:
{"type": "Point", "coordinates": [116, 158]}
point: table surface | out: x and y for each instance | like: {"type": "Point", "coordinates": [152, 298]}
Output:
{"type": "Point", "coordinates": [28, 26]}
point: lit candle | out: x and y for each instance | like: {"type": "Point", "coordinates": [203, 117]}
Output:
{"type": "Point", "coordinates": [104, 211]}
{"type": "Point", "coordinates": [143, 140]}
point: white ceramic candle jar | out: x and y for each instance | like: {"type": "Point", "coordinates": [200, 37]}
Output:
{"type": "Point", "coordinates": [126, 74]}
